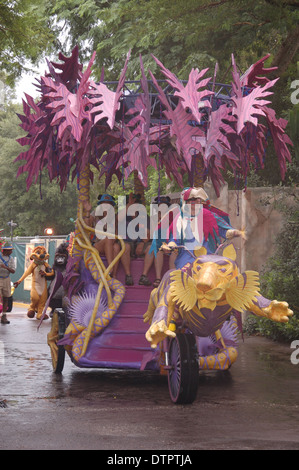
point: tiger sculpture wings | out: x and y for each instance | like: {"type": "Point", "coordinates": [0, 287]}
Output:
{"type": "Point", "coordinates": [204, 294]}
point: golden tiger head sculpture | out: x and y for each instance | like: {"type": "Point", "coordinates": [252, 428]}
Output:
{"type": "Point", "coordinates": [214, 280]}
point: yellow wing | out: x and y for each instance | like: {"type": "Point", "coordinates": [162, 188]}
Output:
{"type": "Point", "coordinates": [200, 251]}
{"type": "Point", "coordinates": [183, 289]}
{"type": "Point", "coordinates": [242, 290]}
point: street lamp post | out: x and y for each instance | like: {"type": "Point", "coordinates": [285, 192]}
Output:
{"type": "Point", "coordinates": [48, 231]}
{"type": "Point", "coordinates": [12, 224]}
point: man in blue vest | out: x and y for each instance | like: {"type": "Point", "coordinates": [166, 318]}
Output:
{"type": "Point", "coordinates": [7, 267]}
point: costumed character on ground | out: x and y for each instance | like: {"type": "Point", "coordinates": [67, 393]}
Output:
{"type": "Point", "coordinates": [59, 266]}
{"type": "Point", "coordinates": [41, 271]}
{"type": "Point", "coordinates": [7, 267]}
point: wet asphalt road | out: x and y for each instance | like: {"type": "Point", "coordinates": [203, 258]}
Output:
{"type": "Point", "coordinates": [255, 405]}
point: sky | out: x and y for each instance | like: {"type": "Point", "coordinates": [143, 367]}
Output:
{"type": "Point", "coordinates": [25, 84]}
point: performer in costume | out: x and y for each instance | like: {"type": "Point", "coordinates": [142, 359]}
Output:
{"type": "Point", "coordinates": [60, 262]}
{"type": "Point", "coordinates": [197, 224]}
{"type": "Point", "coordinates": [7, 267]}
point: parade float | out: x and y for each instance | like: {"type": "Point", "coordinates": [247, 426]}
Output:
{"type": "Point", "coordinates": [193, 129]}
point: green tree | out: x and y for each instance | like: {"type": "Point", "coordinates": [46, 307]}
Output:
{"type": "Point", "coordinates": [182, 34]}
{"type": "Point", "coordinates": [33, 211]}
{"type": "Point", "coordinates": [26, 33]}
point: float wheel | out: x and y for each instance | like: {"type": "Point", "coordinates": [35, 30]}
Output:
{"type": "Point", "coordinates": [56, 333]}
{"type": "Point", "coordinates": [183, 371]}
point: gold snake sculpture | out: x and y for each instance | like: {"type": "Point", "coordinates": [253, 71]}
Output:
{"type": "Point", "coordinates": [81, 335]}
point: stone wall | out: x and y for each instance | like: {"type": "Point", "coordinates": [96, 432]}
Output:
{"type": "Point", "coordinates": [255, 210]}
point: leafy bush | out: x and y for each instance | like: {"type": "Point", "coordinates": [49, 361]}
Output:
{"type": "Point", "coordinates": [286, 332]}
{"type": "Point", "coordinates": [280, 279]}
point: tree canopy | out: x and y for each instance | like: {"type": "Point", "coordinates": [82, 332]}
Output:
{"type": "Point", "coordinates": [27, 31]}
{"type": "Point", "coordinates": [33, 211]}
{"type": "Point", "coordinates": [183, 34]}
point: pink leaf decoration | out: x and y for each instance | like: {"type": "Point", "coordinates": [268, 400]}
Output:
{"type": "Point", "coordinates": [250, 77]}
{"type": "Point", "coordinates": [246, 108]}
{"type": "Point", "coordinates": [70, 69]}
{"type": "Point", "coordinates": [280, 139]}
{"type": "Point", "coordinates": [106, 102]}
{"type": "Point", "coordinates": [69, 108]}
{"type": "Point", "coordinates": [182, 134]}
{"type": "Point", "coordinates": [135, 157]}
{"type": "Point", "coordinates": [138, 145]}
{"type": "Point", "coordinates": [74, 124]}
{"type": "Point", "coordinates": [190, 98]}
{"type": "Point", "coordinates": [217, 144]}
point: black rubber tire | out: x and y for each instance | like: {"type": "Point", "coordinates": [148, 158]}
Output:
{"type": "Point", "coordinates": [183, 374]}
{"type": "Point", "coordinates": [58, 367]}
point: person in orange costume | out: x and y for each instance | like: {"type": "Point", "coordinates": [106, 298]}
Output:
{"type": "Point", "coordinates": [40, 270]}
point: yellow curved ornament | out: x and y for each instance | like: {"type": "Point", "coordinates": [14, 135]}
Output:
{"type": "Point", "coordinates": [103, 272]}
{"type": "Point", "coordinates": [90, 229]}
{"type": "Point", "coordinates": [96, 305]}
{"type": "Point", "coordinates": [219, 361]}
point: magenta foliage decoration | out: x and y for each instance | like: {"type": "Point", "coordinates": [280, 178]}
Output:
{"type": "Point", "coordinates": [78, 122]}
{"type": "Point", "coordinates": [251, 77]}
{"type": "Point", "coordinates": [64, 129]}
{"type": "Point", "coordinates": [105, 101]}
{"type": "Point", "coordinates": [280, 139]}
{"type": "Point", "coordinates": [181, 134]}
{"type": "Point", "coordinates": [190, 97]}
{"type": "Point", "coordinates": [247, 108]}
{"type": "Point", "coordinates": [234, 134]}
{"type": "Point", "coordinates": [137, 135]}
{"type": "Point", "coordinates": [217, 153]}
{"type": "Point", "coordinates": [69, 108]}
